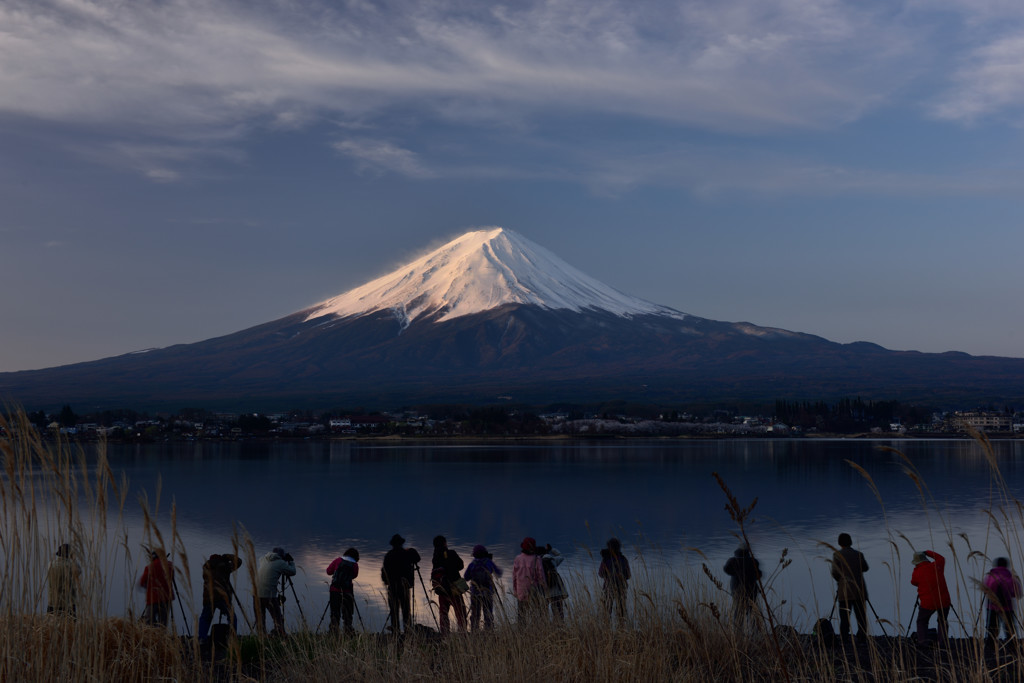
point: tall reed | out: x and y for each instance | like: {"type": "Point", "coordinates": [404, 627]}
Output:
{"type": "Point", "coordinates": [680, 625]}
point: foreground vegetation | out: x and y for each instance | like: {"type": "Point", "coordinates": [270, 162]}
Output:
{"type": "Point", "coordinates": [681, 631]}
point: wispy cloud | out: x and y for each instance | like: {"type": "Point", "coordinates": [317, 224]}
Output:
{"type": "Point", "coordinates": [199, 67]}
{"type": "Point", "coordinates": [380, 156]}
{"type": "Point", "coordinates": [207, 74]}
{"type": "Point", "coordinates": [990, 82]}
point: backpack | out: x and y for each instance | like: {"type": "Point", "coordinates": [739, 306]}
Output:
{"type": "Point", "coordinates": [825, 633]}
{"type": "Point", "coordinates": [550, 572]}
{"type": "Point", "coordinates": [342, 578]}
{"type": "Point", "coordinates": [479, 575]}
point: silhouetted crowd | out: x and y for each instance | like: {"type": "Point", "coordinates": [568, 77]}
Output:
{"type": "Point", "coordinates": [537, 587]}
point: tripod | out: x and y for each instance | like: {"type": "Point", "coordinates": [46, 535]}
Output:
{"type": "Point", "coordinates": [184, 620]}
{"type": "Point", "coordinates": [426, 594]}
{"type": "Point", "coordinates": [943, 618]}
{"type": "Point", "coordinates": [286, 581]}
{"type": "Point", "coordinates": [354, 604]}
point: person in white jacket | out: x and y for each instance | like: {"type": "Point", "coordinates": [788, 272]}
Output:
{"type": "Point", "coordinates": [273, 566]}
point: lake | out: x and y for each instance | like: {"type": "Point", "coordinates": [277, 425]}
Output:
{"type": "Point", "coordinates": [658, 496]}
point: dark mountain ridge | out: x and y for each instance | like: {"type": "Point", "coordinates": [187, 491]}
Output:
{"type": "Point", "coordinates": [528, 353]}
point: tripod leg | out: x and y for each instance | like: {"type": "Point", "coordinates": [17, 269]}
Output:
{"type": "Point", "coordinates": [358, 613]}
{"type": "Point", "coordinates": [321, 623]}
{"type": "Point", "coordinates": [184, 620]}
{"type": "Point", "coordinates": [298, 603]}
{"type": "Point", "coordinates": [877, 618]}
{"type": "Point", "coordinates": [242, 610]}
{"type": "Point", "coordinates": [912, 613]}
{"type": "Point", "coordinates": [430, 603]}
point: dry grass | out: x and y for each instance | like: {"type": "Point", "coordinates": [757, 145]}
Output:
{"type": "Point", "coordinates": [680, 630]}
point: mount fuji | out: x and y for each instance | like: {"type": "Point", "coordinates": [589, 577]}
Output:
{"type": "Point", "coordinates": [492, 315]}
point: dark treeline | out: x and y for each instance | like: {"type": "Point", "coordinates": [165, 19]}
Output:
{"type": "Point", "coordinates": [786, 417]}
{"type": "Point", "coordinates": [851, 415]}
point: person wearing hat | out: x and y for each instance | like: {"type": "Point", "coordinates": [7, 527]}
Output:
{"type": "Point", "coordinates": [273, 566]}
{"type": "Point", "coordinates": [848, 567]}
{"type": "Point", "coordinates": [63, 577]}
{"type": "Point", "coordinates": [480, 574]}
{"type": "Point", "coordinates": [528, 579]}
{"type": "Point", "coordinates": [397, 574]}
{"type": "Point", "coordinates": [343, 570]}
{"type": "Point", "coordinates": [444, 579]}
{"type": "Point", "coordinates": [932, 593]}
{"type": "Point", "coordinates": [158, 580]}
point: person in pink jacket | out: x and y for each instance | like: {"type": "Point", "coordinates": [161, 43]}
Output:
{"type": "Point", "coordinates": [528, 579]}
{"type": "Point", "coordinates": [1001, 589]}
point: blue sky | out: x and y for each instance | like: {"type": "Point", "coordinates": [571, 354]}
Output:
{"type": "Point", "coordinates": [173, 170]}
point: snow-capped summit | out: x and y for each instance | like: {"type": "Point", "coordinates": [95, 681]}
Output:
{"type": "Point", "coordinates": [496, 316]}
{"type": "Point", "coordinates": [479, 271]}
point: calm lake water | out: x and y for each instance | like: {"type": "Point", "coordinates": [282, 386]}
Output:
{"type": "Point", "coordinates": [659, 497]}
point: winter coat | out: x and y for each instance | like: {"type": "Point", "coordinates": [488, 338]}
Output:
{"type": "Point", "coordinates": [217, 588]}
{"type": "Point", "coordinates": [397, 570]}
{"type": "Point", "coordinates": [344, 569]}
{"type": "Point", "coordinates": [450, 564]}
{"type": "Point", "coordinates": [614, 570]}
{"type": "Point", "coordinates": [272, 568]}
{"type": "Point", "coordinates": [1002, 587]}
{"type": "Point", "coordinates": [931, 582]}
{"type": "Point", "coordinates": [480, 573]}
{"type": "Point", "coordinates": [158, 579]}
{"type": "Point", "coordinates": [63, 577]}
{"type": "Point", "coordinates": [744, 572]}
{"type": "Point", "coordinates": [553, 580]}
{"type": "Point", "coordinates": [848, 567]}
{"type": "Point", "coordinates": [527, 576]}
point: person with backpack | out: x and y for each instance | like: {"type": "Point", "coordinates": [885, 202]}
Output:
{"type": "Point", "coordinates": [446, 580]}
{"type": "Point", "coordinates": [744, 573]}
{"type": "Point", "coordinates": [932, 593]}
{"type": "Point", "coordinates": [1001, 589]}
{"type": "Point", "coordinates": [614, 570]}
{"type": "Point", "coordinates": [848, 567]}
{"type": "Point", "coordinates": [158, 582]}
{"type": "Point", "coordinates": [342, 600]}
{"type": "Point", "coordinates": [273, 566]}
{"type": "Point", "coordinates": [556, 592]}
{"type": "Point", "coordinates": [480, 574]}
{"type": "Point", "coordinates": [528, 580]}
{"type": "Point", "coordinates": [397, 575]}
{"type": "Point", "coordinates": [218, 592]}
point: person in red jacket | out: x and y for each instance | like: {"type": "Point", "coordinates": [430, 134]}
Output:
{"type": "Point", "coordinates": [932, 593]}
{"type": "Point", "coordinates": [158, 580]}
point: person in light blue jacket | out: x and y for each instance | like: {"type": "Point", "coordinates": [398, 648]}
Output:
{"type": "Point", "coordinates": [273, 566]}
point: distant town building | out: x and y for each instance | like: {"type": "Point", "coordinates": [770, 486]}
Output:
{"type": "Point", "coordinates": [982, 421]}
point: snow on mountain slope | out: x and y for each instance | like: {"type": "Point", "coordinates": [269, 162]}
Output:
{"type": "Point", "coordinates": [477, 272]}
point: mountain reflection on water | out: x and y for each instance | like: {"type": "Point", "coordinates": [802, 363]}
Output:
{"type": "Point", "coordinates": [659, 497]}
